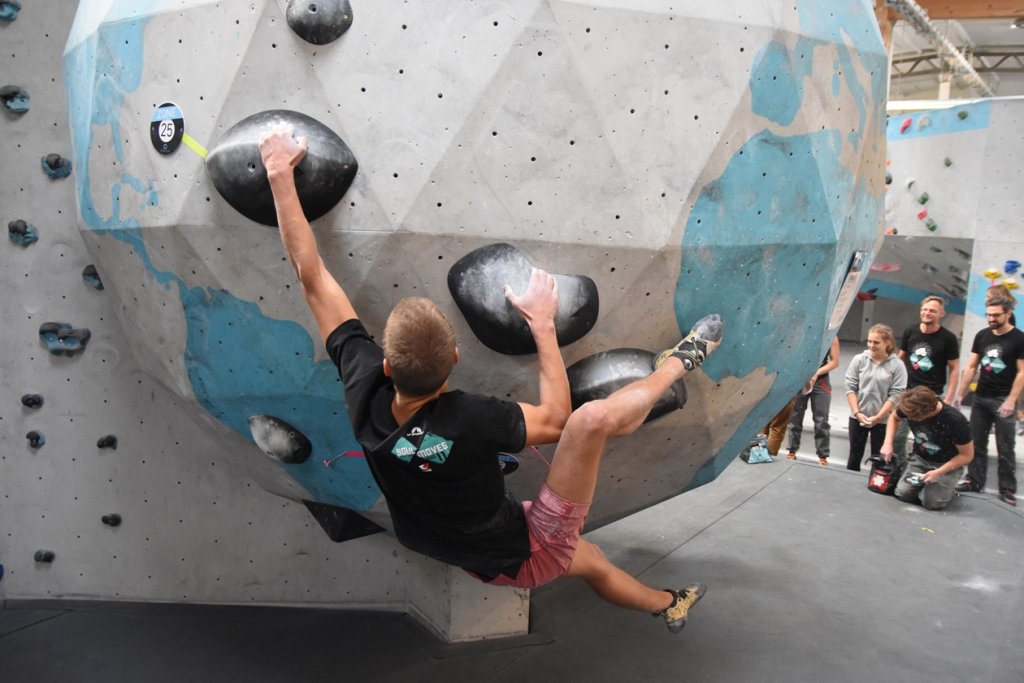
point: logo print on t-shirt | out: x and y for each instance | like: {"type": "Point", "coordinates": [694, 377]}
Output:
{"type": "Point", "coordinates": [924, 447]}
{"type": "Point", "coordinates": [432, 448]}
{"type": "Point", "coordinates": [992, 361]}
{"type": "Point", "coordinates": [920, 358]}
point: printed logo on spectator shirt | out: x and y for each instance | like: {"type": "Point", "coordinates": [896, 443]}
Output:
{"type": "Point", "coordinates": [924, 447]}
{"type": "Point", "coordinates": [992, 360]}
{"type": "Point", "coordinates": [432, 449]}
{"type": "Point", "coordinates": [921, 358]}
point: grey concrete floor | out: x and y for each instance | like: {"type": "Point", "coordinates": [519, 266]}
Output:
{"type": "Point", "coordinates": [811, 578]}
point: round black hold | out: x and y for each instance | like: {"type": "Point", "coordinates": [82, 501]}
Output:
{"type": "Point", "coordinates": [477, 281]}
{"type": "Point", "coordinates": [32, 400]}
{"type": "Point", "coordinates": [112, 519]}
{"type": "Point", "coordinates": [888, 178]}
{"type": "Point", "coordinates": [319, 21]}
{"type": "Point", "coordinates": [321, 178]}
{"type": "Point", "coordinates": [44, 556]}
{"type": "Point", "coordinates": [35, 439]}
{"type": "Point", "coordinates": [108, 441]}
{"type": "Point", "coordinates": [54, 161]}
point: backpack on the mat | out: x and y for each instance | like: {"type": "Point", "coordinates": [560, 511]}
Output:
{"type": "Point", "coordinates": [883, 476]}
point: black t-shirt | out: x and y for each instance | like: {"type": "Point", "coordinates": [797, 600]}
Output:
{"type": "Point", "coordinates": [928, 356]}
{"type": "Point", "coordinates": [439, 471]}
{"type": "Point", "coordinates": [936, 438]}
{"type": "Point", "coordinates": [999, 355]}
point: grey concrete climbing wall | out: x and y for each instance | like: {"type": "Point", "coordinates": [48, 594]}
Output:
{"type": "Point", "coordinates": [956, 172]}
{"type": "Point", "coordinates": [665, 162]}
{"type": "Point", "coordinates": [192, 527]}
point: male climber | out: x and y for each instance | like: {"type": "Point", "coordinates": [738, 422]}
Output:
{"type": "Point", "coordinates": [433, 452]}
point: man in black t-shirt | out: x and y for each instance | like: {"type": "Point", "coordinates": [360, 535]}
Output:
{"type": "Point", "coordinates": [942, 448]}
{"type": "Point", "coordinates": [999, 353]}
{"type": "Point", "coordinates": [434, 452]}
{"type": "Point", "coordinates": [929, 351]}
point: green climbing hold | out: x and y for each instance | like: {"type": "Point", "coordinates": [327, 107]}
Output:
{"type": "Point", "coordinates": [931, 225]}
{"type": "Point", "coordinates": [923, 199]}
{"type": "Point", "coordinates": [948, 162]}
{"type": "Point", "coordinates": [962, 114]}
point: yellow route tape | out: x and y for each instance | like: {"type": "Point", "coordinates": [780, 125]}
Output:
{"type": "Point", "coordinates": [193, 145]}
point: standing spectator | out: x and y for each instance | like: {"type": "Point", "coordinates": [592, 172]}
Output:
{"type": "Point", "coordinates": [942, 447]}
{"type": "Point", "coordinates": [820, 399]}
{"type": "Point", "coordinates": [999, 352]}
{"type": "Point", "coordinates": [874, 381]}
{"type": "Point", "coordinates": [929, 350]}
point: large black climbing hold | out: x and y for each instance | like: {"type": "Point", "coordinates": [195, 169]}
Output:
{"type": "Point", "coordinates": [341, 524]}
{"type": "Point", "coordinates": [63, 339]}
{"type": "Point", "coordinates": [44, 556]}
{"type": "Point", "coordinates": [280, 440]}
{"type": "Point", "coordinates": [321, 178]}
{"type": "Point", "coordinates": [56, 166]}
{"type": "Point", "coordinates": [20, 232]}
{"type": "Point", "coordinates": [108, 441]}
{"type": "Point", "coordinates": [477, 282]}
{"type": "Point", "coordinates": [113, 519]}
{"type": "Point", "coordinates": [14, 98]}
{"type": "Point", "coordinates": [32, 401]}
{"type": "Point", "coordinates": [9, 10]}
{"type": "Point", "coordinates": [90, 275]}
{"type": "Point", "coordinates": [319, 21]}
{"type": "Point", "coordinates": [35, 439]}
{"type": "Point", "coordinates": [598, 376]}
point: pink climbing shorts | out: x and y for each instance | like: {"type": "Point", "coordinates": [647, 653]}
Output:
{"type": "Point", "coordinates": [554, 524]}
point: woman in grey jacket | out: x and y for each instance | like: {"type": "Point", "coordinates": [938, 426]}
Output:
{"type": "Point", "coordinates": [874, 381]}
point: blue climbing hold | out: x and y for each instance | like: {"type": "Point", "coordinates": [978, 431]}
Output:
{"type": "Point", "coordinates": [62, 339]}
{"type": "Point", "coordinates": [1011, 267]}
{"type": "Point", "coordinates": [22, 233]}
{"type": "Point", "coordinates": [14, 98]}
{"type": "Point", "coordinates": [56, 166]}
{"type": "Point", "coordinates": [9, 10]}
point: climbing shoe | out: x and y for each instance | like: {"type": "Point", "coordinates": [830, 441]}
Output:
{"type": "Point", "coordinates": [683, 599]}
{"type": "Point", "coordinates": [705, 336]}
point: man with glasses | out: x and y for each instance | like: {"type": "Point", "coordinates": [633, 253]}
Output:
{"type": "Point", "coordinates": [929, 350]}
{"type": "Point", "coordinates": [999, 353]}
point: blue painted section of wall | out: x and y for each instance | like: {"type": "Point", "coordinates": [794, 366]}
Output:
{"type": "Point", "coordinates": [785, 217]}
{"type": "Point", "coordinates": [911, 295]}
{"type": "Point", "coordinates": [239, 361]}
{"type": "Point", "coordinates": [939, 121]}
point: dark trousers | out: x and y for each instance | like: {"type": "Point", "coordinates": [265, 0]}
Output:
{"type": "Point", "coordinates": [985, 414]}
{"type": "Point", "coordinates": [820, 399]}
{"type": "Point", "coordinates": [859, 438]}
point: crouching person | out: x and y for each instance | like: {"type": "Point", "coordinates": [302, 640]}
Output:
{"type": "Point", "coordinates": [942, 448]}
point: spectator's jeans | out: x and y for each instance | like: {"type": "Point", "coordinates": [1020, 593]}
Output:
{"type": "Point", "coordinates": [820, 399]}
{"type": "Point", "coordinates": [985, 414]}
{"type": "Point", "coordinates": [934, 496]}
{"type": "Point", "coordinates": [899, 442]}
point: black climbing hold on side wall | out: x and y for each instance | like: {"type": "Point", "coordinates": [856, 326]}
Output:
{"type": "Point", "coordinates": [888, 178]}
{"type": "Point", "coordinates": [32, 401]}
{"type": "Point", "coordinates": [9, 10]}
{"type": "Point", "coordinates": [35, 439]}
{"type": "Point", "coordinates": [90, 275]}
{"type": "Point", "coordinates": [108, 441]}
{"type": "Point", "coordinates": [948, 162]}
{"type": "Point", "coordinates": [280, 440]}
{"type": "Point", "coordinates": [321, 178]}
{"type": "Point", "coordinates": [477, 282]}
{"type": "Point", "coordinates": [598, 376]}
{"type": "Point", "coordinates": [113, 519]}
{"type": "Point", "coordinates": [44, 556]}
{"type": "Point", "coordinates": [20, 232]}
{"type": "Point", "coordinates": [56, 166]}
{"type": "Point", "coordinates": [962, 114]}
{"type": "Point", "coordinates": [14, 98]}
{"type": "Point", "coordinates": [319, 21]}
{"type": "Point", "coordinates": [341, 524]}
{"type": "Point", "coordinates": [63, 339]}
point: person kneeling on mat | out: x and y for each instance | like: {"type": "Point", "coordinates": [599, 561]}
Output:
{"type": "Point", "coordinates": [942, 448]}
